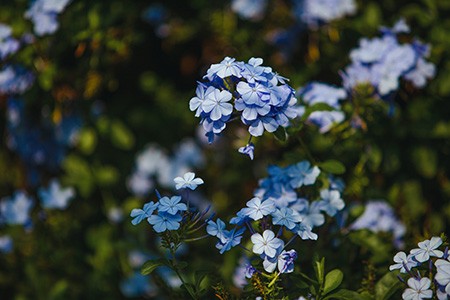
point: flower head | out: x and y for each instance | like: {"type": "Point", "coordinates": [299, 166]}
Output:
{"type": "Point", "coordinates": [266, 243]}
{"type": "Point", "coordinates": [171, 205]}
{"type": "Point", "coordinates": [140, 214]}
{"type": "Point", "coordinates": [427, 248]}
{"type": "Point", "coordinates": [164, 221]}
{"type": "Point", "coordinates": [55, 196]}
{"type": "Point", "coordinates": [418, 289]}
{"type": "Point", "coordinates": [256, 209]}
{"type": "Point", "coordinates": [187, 181]}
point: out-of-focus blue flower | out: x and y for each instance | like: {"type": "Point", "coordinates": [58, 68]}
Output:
{"type": "Point", "coordinates": [171, 205]}
{"type": "Point", "coordinates": [55, 196]}
{"type": "Point", "coordinates": [241, 272]}
{"type": "Point", "coordinates": [15, 80]}
{"type": "Point", "coordinates": [8, 44]}
{"type": "Point", "coordinates": [15, 210]}
{"type": "Point", "coordinates": [418, 289]}
{"type": "Point", "coordinates": [141, 214]}
{"type": "Point", "coordinates": [403, 262]}
{"type": "Point", "coordinates": [325, 120]}
{"type": "Point", "coordinates": [383, 62]}
{"type": "Point", "coordinates": [256, 209]}
{"type": "Point", "coordinates": [6, 244]}
{"type": "Point", "coordinates": [427, 248]}
{"type": "Point", "coordinates": [115, 215]}
{"type": "Point", "coordinates": [164, 221]}
{"type": "Point", "coordinates": [266, 243]}
{"type": "Point", "coordinates": [137, 285]}
{"type": "Point", "coordinates": [303, 173]}
{"type": "Point", "coordinates": [317, 92]}
{"type": "Point", "coordinates": [187, 181]}
{"type": "Point", "coordinates": [331, 202]}
{"type": "Point", "coordinates": [316, 12]}
{"type": "Point", "coordinates": [44, 13]}
{"type": "Point", "coordinates": [137, 258]}
{"type": "Point", "coordinates": [249, 9]}
{"type": "Point", "coordinates": [378, 216]}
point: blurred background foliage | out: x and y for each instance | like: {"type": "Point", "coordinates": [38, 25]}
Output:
{"type": "Point", "coordinates": [130, 77]}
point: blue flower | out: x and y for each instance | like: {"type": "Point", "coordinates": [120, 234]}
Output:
{"type": "Point", "coordinates": [15, 80]}
{"type": "Point", "coordinates": [164, 221]}
{"type": "Point", "coordinates": [227, 67]}
{"type": "Point", "coordinates": [137, 285]}
{"type": "Point", "coordinates": [187, 181]}
{"type": "Point", "coordinates": [442, 276]}
{"type": "Point", "coordinates": [427, 248]}
{"type": "Point", "coordinates": [325, 120]}
{"type": "Point", "coordinates": [249, 9]}
{"type": "Point", "coordinates": [303, 174]}
{"type": "Point", "coordinates": [418, 289]}
{"type": "Point", "coordinates": [310, 213]}
{"type": "Point", "coordinates": [6, 244]}
{"type": "Point", "coordinates": [286, 261]}
{"type": "Point", "coordinates": [403, 262]}
{"type": "Point", "coordinates": [216, 104]}
{"type": "Point", "coordinates": [378, 216]}
{"type": "Point", "coordinates": [43, 14]}
{"type": "Point", "coordinates": [171, 205]}
{"type": "Point", "coordinates": [141, 214]}
{"type": "Point", "coordinates": [305, 232]}
{"type": "Point", "coordinates": [286, 217]}
{"type": "Point", "coordinates": [266, 243]}
{"type": "Point", "coordinates": [331, 202]}
{"type": "Point", "coordinates": [316, 12]}
{"type": "Point", "coordinates": [247, 150]}
{"type": "Point", "coordinates": [216, 228]}
{"type": "Point", "coordinates": [230, 239]}
{"type": "Point", "coordinates": [317, 92]}
{"type": "Point", "coordinates": [55, 196]}
{"type": "Point", "coordinates": [15, 210]}
{"type": "Point", "coordinates": [8, 44]}
{"type": "Point", "coordinates": [256, 209]}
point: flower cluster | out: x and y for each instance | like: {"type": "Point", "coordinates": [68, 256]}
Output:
{"type": "Point", "coordinates": [15, 79]}
{"type": "Point", "coordinates": [249, 9]}
{"type": "Point", "coordinates": [167, 213]}
{"type": "Point", "coordinates": [279, 211]}
{"type": "Point", "coordinates": [379, 216]}
{"type": "Point", "coordinates": [8, 44]}
{"type": "Point", "coordinates": [260, 96]}
{"type": "Point", "coordinates": [383, 61]}
{"type": "Point", "coordinates": [316, 92]}
{"type": "Point", "coordinates": [154, 164]}
{"type": "Point", "coordinates": [39, 144]}
{"type": "Point", "coordinates": [44, 13]}
{"type": "Point", "coordinates": [419, 283]}
{"type": "Point", "coordinates": [317, 12]}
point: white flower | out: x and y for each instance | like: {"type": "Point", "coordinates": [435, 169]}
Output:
{"type": "Point", "coordinates": [187, 181]}
{"type": "Point", "coordinates": [401, 261]}
{"type": "Point", "coordinates": [427, 249]}
{"type": "Point", "coordinates": [418, 289]}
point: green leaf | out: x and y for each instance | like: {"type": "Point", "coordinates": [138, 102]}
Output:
{"type": "Point", "coordinates": [87, 140]}
{"type": "Point", "coordinates": [332, 280]}
{"type": "Point", "coordinates": [387, 286]}
{"type": "Point", "coordinates": [319, 267]}
{"type": "Point", "coordinates": [281, 134]}
{"type": "Point", "coordinates": [121, 136]}
{"type": "Point", "coordinates": [332, 166]}
{"type": "Point", "coordinates": [346, 295]}
{"type": "Point", "coordinates": [151, 265]}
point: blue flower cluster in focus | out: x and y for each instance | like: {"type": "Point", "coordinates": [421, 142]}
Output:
{"type": "Point", "coordinates": [256, 94]}
{"type": "Point", "coordinates": [278, 210]}
{"type": "Point", "coordinates": [425, 265]}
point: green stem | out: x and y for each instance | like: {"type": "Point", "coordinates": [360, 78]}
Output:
{"type": "Point", "coordinates": [174, 265]}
